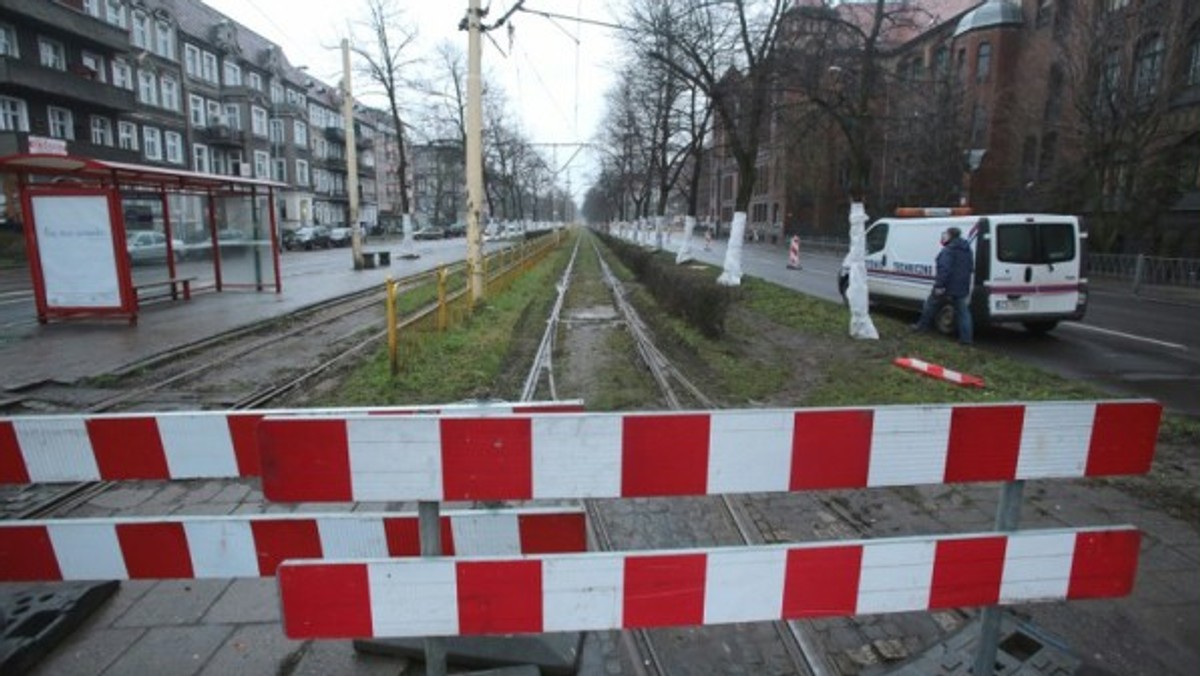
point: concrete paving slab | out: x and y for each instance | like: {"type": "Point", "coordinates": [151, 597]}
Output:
{"type": "Point", "coordinates": [555, 654]}
{"type": "Point", "coordinates": [247, 600]}
{"type": "Point", "coordinates": [179, 651]}
{"type": "Point", "coordinates": [253, 650]}
{"type": "Point", "coordinates": [323, 658]}
{"type": "Point", "coordinates": [173, 602]}
{"type": "Point", "coordinates": [87, 653]}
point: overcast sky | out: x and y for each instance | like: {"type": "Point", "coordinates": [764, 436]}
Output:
{"type": "Point", "coordinates": [554, 84]}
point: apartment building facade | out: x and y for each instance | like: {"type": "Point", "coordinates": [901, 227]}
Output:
{"type": "Point", "coordinates": [179, 85]}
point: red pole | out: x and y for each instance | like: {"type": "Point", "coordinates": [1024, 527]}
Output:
{"type": "Point", "coordinates": [274, 239]}
{"type": "Point", "coordinates": [162, 196]}
{"type": "Point", "coordinates": [212, 231]}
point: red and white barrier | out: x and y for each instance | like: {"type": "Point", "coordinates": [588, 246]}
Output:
{"type": "Point", "coordinates": [794, 253]}
{"type": "Point", "coordinates": [939, 372]}
{"type": "Point", "coordinates": [627, 455]}
{"type": "Point", "coordinates": [181, 445]}
{"type": "Point", "coordinates": [254, 546]}
{"type": "Point", "coordinates": [601, 591]}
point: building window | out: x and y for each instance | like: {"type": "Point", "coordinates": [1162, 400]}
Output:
{"type": "Point", "coordinates": [258, 121]}
{"type": "Point", "coordinates": [127, 136]}
{"type": "Point", "coordinates": [941, 62]}
{"type": "Point", "coordinates": [13, 114]}
{"type": "Point", "coordinates": [279, 170]}
{"type": "Point", "coordinates": [1147, 68]}
{"type": "Point", "coordinates": [52, 54]}
{"type": "Point", "coordinates": [122, 74]}
{"type": "Point", "coordinates": [233, 116]}
{"type": "Point", "coordinates": [983, 61]}
{"type": "Point", "coordinates": [95, 63]}
{"type": "Point", "coordinates": [276, 131]}
{"type": "Point", "coordinates": [152, 143]}
{"type": "Point", "coordinates": [147, 88]}
{"type": "Point", "coordinates": [200, 158]}
{"type": "Point", "coordinates": [61, 123]}
{"type": "Point", "coordinates": [233, 74]}
{"type": "Point", "coordinates": [1046, 162]}
{"type": "Point", "coordinates": [208, 63]}
{"type": "Point", "coordinates": [196, 110]}
{"type": "Point", "coordinates": [8, 41]}
{"type": "Point", "coordinates": [1114, 5]}
{"type": "Point", "coordinates": [164, 39]}
{"type": "Point", "coordinates": [214, 112]}
{"type": "Point", "coordinates": [300, 133]}
{"type": "Point", "coordinates": [276, 92]}
{"type": "Point", "coordinates": [191, 60]}
{"type": "Point", "coordinates": [262, 164]}
{"type": "Point", "coordinates": [92, 8]}
{"type": "Point", "coordinates": [1054, 89]}
{"type": "Point", "coordinates": [170, 93]}
{"type": "Point", "coordinates": [979, 127]}
{"type": "Point", "coordinates": [256, 82]}
{"type": "Point", "coordinates": [101, 131]}
{"type": "Point", "coordinates": [302, 173]}
{"type": "Point", "coordinates": [114, 13]}
{"type": "Point", "coordinates": [174, 144]}
{"type": "Point", "coordinates": [139, 33]}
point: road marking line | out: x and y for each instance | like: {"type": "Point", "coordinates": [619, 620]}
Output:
{"type": "Point", "coordinates": [1130, 336]}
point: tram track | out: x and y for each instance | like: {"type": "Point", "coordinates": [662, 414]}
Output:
{"type": "Point", "coordinates": [798, 642]}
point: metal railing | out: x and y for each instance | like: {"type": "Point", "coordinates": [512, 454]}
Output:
{"type": "Point", "coordinates": [1150, 270]}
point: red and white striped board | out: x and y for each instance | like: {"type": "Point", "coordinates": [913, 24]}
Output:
{"type": "Point", "coordinates": [939, 372]}
{"type": "Point", "coordinates": [254, 546]}
{"type": "Point", "coordinates": [177, 445]}
{"type": "Point", "coordinates": [629, 590]}
{"type": "Point", "coordinates": [574, 455]}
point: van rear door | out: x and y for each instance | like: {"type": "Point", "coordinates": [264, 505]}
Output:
{"type": "Point", "coordinates": [1035, 268]}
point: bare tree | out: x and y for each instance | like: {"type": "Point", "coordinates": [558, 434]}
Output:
{"type": "Point", "coordinates": [727, 50]}
{"type": "Point", "coordinates": [381, 57]}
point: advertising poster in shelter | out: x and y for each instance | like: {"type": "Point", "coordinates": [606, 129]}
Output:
{"type": "Point", "coordinates": [75, 248]}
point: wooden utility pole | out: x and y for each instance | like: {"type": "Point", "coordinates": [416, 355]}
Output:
{"type": "Point", "coordinates": [474, 149]}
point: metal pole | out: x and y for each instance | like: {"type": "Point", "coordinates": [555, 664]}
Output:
{"type": "Point", "coordinates": [351, 157]}
{"type": "Point", "coordinates": [1008, 514]}
{"type": "Point", "coordinates": [1138, 269]}
{"type": "Point", "coordinates": [474, 150]}
{"type": "Point", "coordinates": [429, 523]}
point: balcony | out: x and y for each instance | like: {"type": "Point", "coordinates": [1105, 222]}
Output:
{"type": "Point", "coordinates": [224, 135]}
{"type": "Point", "coordinates": [20, 75]}
{"type": "Point", "coordinates": [364, 141]}
{"type": "Point", "coordinates": [290, 108]}
{"type": "Point", "coordinates": [14, 143]}
{"type": "Point", "coordinates": [80, 26]}
{"type": "Point", "coordinates": [335, 134]}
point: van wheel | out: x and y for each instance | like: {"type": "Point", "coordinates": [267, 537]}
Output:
{"type": "Point", "coordinates": [944, 320]}
{"type": "Point", "coordinates": [1039, 328]}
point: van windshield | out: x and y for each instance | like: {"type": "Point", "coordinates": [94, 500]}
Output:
{"type": "Point", "coordinates": [1033, 243]}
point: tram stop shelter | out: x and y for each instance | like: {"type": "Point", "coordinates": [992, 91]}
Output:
{"type": "Point", "coordinates": [103, 237]}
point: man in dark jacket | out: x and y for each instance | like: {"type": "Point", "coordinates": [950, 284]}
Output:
{"type": "Point", "coordinates": [955, 264]}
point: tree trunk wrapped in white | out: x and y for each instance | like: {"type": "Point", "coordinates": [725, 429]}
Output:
{"type": "Point", "coordinates": [407, 250]}
{"type": "Point", "coordinates": [685, 247]}
{"type": "Point", "coordinates": [658, 232]}
{"type": "Point", "coordinates": [732, 275]}
{"type": "Point", "coordinates": [861, 325]}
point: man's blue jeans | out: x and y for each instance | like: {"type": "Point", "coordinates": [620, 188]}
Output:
{"type": "Point", "coordinates": [962, 313]}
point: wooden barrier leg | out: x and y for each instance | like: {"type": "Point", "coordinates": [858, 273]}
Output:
{"type": "Point", "coordinates": [1008, 515]}
{"type": "Point", "coordinates": [429, 518]}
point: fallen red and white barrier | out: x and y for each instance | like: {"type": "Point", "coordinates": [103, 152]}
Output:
{"type": "Point", "coordinates": [939, 372]}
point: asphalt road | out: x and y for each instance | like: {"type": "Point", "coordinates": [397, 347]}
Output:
{"type": "Point", "coordinates": [1137, 346]}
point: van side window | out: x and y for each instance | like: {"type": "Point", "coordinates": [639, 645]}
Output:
{"type": "Point", "coordinates": [1034, 243]}
{"type": "Point", "coordinates": [877, 238]}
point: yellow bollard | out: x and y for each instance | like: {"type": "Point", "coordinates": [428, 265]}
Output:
{"type": "Point", "coordinates": [392, 327]}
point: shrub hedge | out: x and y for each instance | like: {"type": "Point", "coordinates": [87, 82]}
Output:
{"type": "Point", "coordinates": [688, 293]}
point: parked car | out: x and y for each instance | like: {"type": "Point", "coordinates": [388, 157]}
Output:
{"type": "Point", "coordinates": [430, 233]}
{"type": "Point", "coordinates": [232, 241]}
{"type": "Point", "coordinates": [456, 230]}
{"type": "Point", "coordinates": [312, 236]}
{"type": "Point", "coordinates": [339, 236]}
{"type": "Point", "coordinates": [288, 239]}
{"type": "Point", "coordinates": [148, 246]}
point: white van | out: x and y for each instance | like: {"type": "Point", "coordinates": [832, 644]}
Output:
{"type": "Point", "coordinates": [1029, 268]}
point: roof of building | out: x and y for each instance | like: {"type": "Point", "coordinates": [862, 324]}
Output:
{"type": "Point", "coordinates": [991, 14]}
